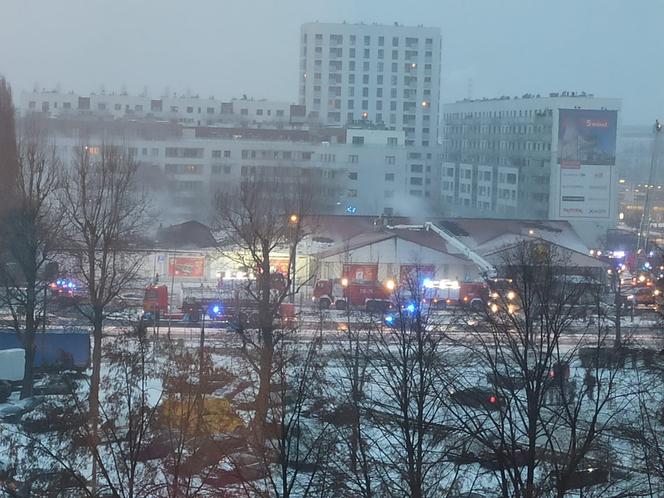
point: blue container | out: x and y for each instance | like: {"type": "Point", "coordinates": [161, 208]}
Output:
{"type": "Point", "coordinates": [55, 349]}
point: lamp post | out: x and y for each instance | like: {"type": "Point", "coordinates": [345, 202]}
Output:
{"type": "Point", "coordinates": [294, 220]}
{"type": "Point", "coordinates": [614, 274]}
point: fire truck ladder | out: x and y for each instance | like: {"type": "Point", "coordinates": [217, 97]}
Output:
{"type": "Point", "coordinates": [486, 268]}
{"type": "Point", "coordinates": [644, 226]}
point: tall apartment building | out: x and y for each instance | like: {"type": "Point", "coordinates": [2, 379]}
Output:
{"type": "Point", "coordinates": [549, 157]}
{"type": "Point", "coordinates": [388, 76]}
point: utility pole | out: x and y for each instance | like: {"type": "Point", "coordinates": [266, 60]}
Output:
{"type": "Point", "coordinates": [618, 301]}
{"type": "Point", "coordinates": [644, 226]}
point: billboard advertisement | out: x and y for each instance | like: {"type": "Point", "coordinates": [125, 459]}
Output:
{"type": "Point", "coordinates": [586, 137]}
{"type": "Point", "coordinates": [586, 155]}
{"type": "Point", "coordinates": [189, 267]}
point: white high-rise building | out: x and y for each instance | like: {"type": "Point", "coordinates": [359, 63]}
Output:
{"type": "Point", "coordinates": [378, 76]}
{"type": "Point", "coordinates": [369, 72]}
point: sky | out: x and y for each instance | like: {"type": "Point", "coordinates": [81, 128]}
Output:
{"type": "Point", "coordinates": [611, 48]}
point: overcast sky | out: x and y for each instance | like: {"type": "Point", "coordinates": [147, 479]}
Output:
{"type": "Point", "coordinates": [612, 48]}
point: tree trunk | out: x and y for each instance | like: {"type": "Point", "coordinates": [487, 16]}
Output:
{"type": "Point", "coordinates": [265, 319]}
{"type": "Point", "coordinates": [29, 343]}
{"type": "Point", "coordinates": [94, 391]}
{"type": "Point", "coordinates": [29, 369]}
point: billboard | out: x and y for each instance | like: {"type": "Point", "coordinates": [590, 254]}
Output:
{"type": "Point", "coordinates": [586, 137]}
{"type": "Point", "coordinates": [190, 267]}
{"type": "Point", "coordinates": [586, 155]}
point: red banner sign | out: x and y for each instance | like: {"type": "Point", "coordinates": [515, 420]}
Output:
{"type": "Point", "coordinates": [186, 267]}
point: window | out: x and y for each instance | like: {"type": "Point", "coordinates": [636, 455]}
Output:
{"type": "Point", "coordinates": [390, 159]}
{"type": "Point", "coordinates": [227, 169]}
{"type": "Point", "coordinates": [381, 41]}
{"type": "Point", "coordinates": [389, 177]}
{"type": "Point", "coordinates": [352, 175]}
{"type": "Point", "coordinates": [216, 154]}
{"type": "Point", "coordinates": [367, 40]}
{"type": "Point", "coordinates": [379, 92]}
{"type": "Point", "coordinates": [244, 112]}
{"type": "Point", "coordinates": [395, 41]}
{"type": "Point", "coordinates": [416, 180]}
{"type": "Point", "coordinates": [379, 79]}
{"type": "Point", "coordinates": [365, 92]}
{"type": "Point", "coordinates": [381, 53]}
{"type": "Point", "coordinates": [389, 194]}
{"type": "Point", "coordinates": [227, 154]}
{"type": "Point", "coordinates": [190, 110]}
{"type": "Point", "coordinates": [395, 56]}
{"type": "Point", "coordinates": [210, 110]}
{"type": "Point", "coordinates": [259, 112]}
{"type": "Point", "coordinates": [367, 53]}
{"type": "Point", "coordinates": [351, 53]}
{"type": "Point", "coordinates": [352, 192]}
{"type": "Point", "coordinates": [416, 168]}
{"type": "Point", "coordinates": [351, 103]}
{"type": "Point", "coordinates": [353, 158]}
{"type": "Point", "coordinates": [358, 140]}
{"type": "Point", "coordinates": [391, 140]}
{"type": "Point", "coordinates": [216, 169]}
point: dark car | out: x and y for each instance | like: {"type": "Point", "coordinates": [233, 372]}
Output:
{"type": "Point", "coordinates": [476, 397]}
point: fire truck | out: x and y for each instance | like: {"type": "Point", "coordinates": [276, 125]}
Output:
{"type": "Point", "coordinates": [342, 293]}
{"type": "Point", "coordinates": [447, 293]}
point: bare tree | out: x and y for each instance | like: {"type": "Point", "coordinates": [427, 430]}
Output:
{"type": "Point", "coordinates": [106, 216]}
{"type": "Point", "coordinates": [255, 221]}
{"type": "Point", "coordinates": [29, 234]}
{"type": "Point", "coordinates": [532, 426]}
{"type": "Point", "coordinates": [407, 362]}
{"type": "Point", "coordinates": [351, 394]}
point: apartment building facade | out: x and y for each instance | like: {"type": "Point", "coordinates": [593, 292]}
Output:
{"type": "Point", "coordinates": [385, 75]}
{"type": "Point", "coordinates": [357, 171]}
{"type": "Point", "coordinates": [550, 157]}
{"type": "Point", "coordinates": [183, 109]}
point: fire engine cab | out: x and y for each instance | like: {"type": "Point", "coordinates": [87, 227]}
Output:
{"type": "Point", "coordinates": [343, 293]}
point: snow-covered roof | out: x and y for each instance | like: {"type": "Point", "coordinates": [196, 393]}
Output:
{"type": "Point", "coordinates": [426, 239]}
{"type": "Point", "coordinates": [485, 236]}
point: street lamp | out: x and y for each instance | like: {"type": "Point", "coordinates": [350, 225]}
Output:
{"type": "Point", "coordinates": [294, 220]}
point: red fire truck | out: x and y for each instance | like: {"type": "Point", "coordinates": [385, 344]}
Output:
{"type": "Point", "coordinates": [369, 295]}
{"type": "Point", "coordinates": [444, 293]}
